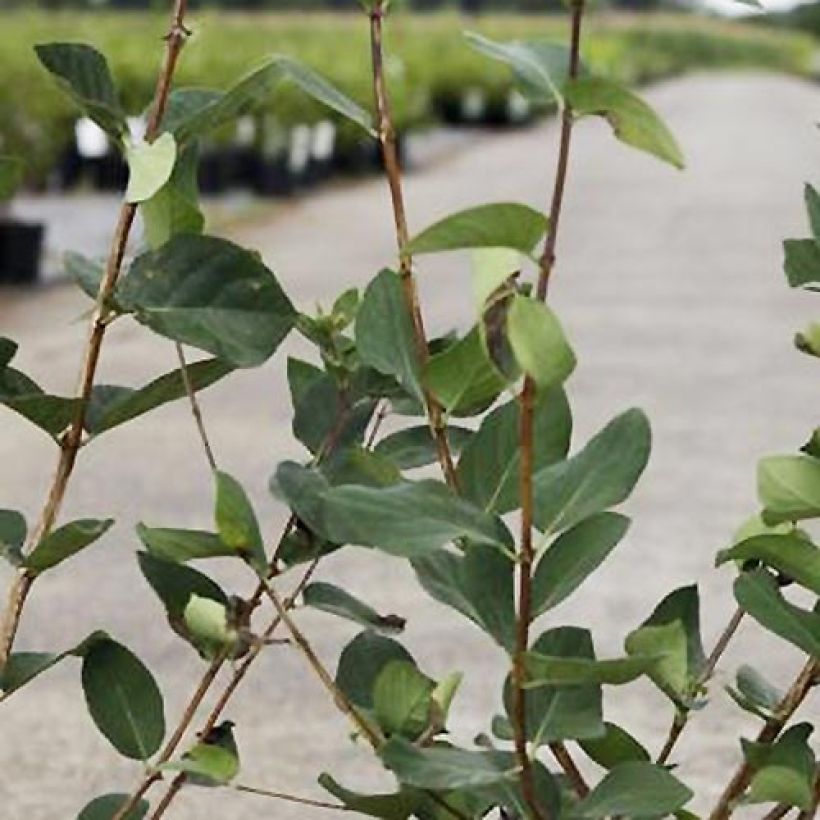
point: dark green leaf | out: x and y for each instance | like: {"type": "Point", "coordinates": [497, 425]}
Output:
{"type": "Point", "coordinates": [550, 670]}
{"type": "Point", "coordinates": [562, 712]}
{"type": "Point", "coordinates": [113, 406]}
{"type": "Point", "coordinates": [237, 523]}
{"type": "Point", "coordinates": [398, 806]}
{"type": "Point", "coordinates": [538, 342]}
{"type": "Point", "coordinates": [64, 542]}
{"type": "Point", "coordinates": [499, 225]}
{"type": "Point", "coordinates": [87, 273]}
{"type": "Point", "coordinates": [123, 700]}
{"type": "Point", "coordinates": [758, 594]}
{"type": "Point", "coordinates": [573, 557]}
{"type": "Point", "coordinates": [106, 807]}
{"type": "Point", "coordinates": [479, 585]}
{"type": "Point", "coordinates": [787, 774]}
{"type": "Point", "coordinates": [407, 519]}
{"type": "Point", "coordinates": [489, 467]}
{"type": "Point", "coordinates": [332, 599]}
{"type": "Point", "coordinates": [415, 446]}
{"type": "Point", "coordinates": [789, 488]}
{"type": "Point", "coordinates": [637, 789]}
{"type": "Point", "coordinates": [813, 207]}
{"type": "Point", "coordinates": [183, 545]}
{"type": "Point", "coordinates": [540, 66]}
{"type": "Point", "coordinates": [13, 531]}
{"type": "Point", "coordinates": [211, 294]}
{"type": "Point", "coordinates": [444, 767]}
{"type": "Point", "coordinates": [361, 662]}
{"type": "Point", "coordinates": [602, 475]}
{"type": "Point", "coordinates": [802, 263]}
{"type": "Point", "coordinates": [792, 555]}
{"type": "Point", "coordinates": [673, 632]}
{"type": "Point", "coordinates": [83, 72]}
{"type": "Point", "coordinates": [757, 690]}
{"type": "Point", "coordinates": [632, 120]}
{"type": "Point", "coordinates": [463, 378]}
{"type": "Point", "coordinates": [384, 333]}
{"type": "Point", "coordinates": [616, 746]}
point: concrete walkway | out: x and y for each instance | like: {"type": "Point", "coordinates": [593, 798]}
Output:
{"type": "Point", "coordinates": [670, 287]}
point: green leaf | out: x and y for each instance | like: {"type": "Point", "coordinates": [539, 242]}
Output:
{"type": "Point", "coordinates": [415, 446]}
{"type": "Point", "coordinates": [562, 712]}
{"type": "Point", "coordinates": [257, 87]}
{"type": "Point", "coordinates": [489, 468]}
{"type": "Point", "coordinates": [673, 632]}
{"type": "Point", "coordinates": [13, 531]}
{"type": "Point", "coordinates": [112, 406]}
{"type": "Point", "coordinates": [86, 273]}
{"type": "Point", "coordinates": [632, 120]}
{"type": "Point", "coordinates": [211, 294]}
{"type": "Point", "coordinates": [12, 170]}
{"type": "Point", "coordinates": [123, 700]}
{"type": "Point", "coordinates": [183, 545]}
{"type": "Point", "coordinates": [540, 66]}
{"type": "Point", "coordinates": [22, 667]}
{"type": "Point", "coordinates": [478, 584]}
{"type": "Point", "coordinates": [808, 340]}
{"type": "Point", "coordinates": [615, 747]}
{"type": "Point", "coordinates": [336, 601]}
{"type": "Point", "coordinates": [602, 475]}
{"type": "Point", "coordinates": [385, 338]}
{"type": "Point", "coordinates": [398, 806]}
{"type": "Point", "coordinates": [550, 670]}
{"type": "Point", "coordinates": [498, 225]}
{"type": "Point", "coordinates": [237, 523]}
{"type": "Point", "coordinates": [175, 586]}
{"type": "Point", "coordinates": [752, 685]}
{"type": "Point", "coordinates": [106, 807]}
{"type": "Point", "coordinates": [64, 542]}
{"type": "Point", "coordinates": [207, 623]}
{"type": "Point", "coordinates": [801, 263]}
{"type": "Point", "coordinates": [463, 378]}
{"type": "Point", "coordinates": [443, 767]}
{"type": "Point", "coordinates": [792, 555]}
{"type": "Point", "coordinates": [812, 199]}
{"type": "Point", "coordinates": [538, 342]}
{"type": "Point", "coordinates": [150, 166]}
{"type": "Point", "coordinates": [214, 761]}
{"type": "Point", "coordinates": [573, 557]}
{"type": "Point", "coordinates": [402, 699]}
{"type": "Point", "coordinates": [19, 393]}
{"type": "Point", "coordinates": [786, 775]}
{"type": "Point", "coordinates": [758, 594]}
{"type": "Point", "coordinates": [174, 208]}
{"type": "Point", "coordinates": [407, 519]}
{"type": "Point", "coordinates": [361, 662]}
{"type": "Point", "coordinates": [83, 73]}
{"type": "Point", "coordinates": [789, 488]}
{"type": "Point", "coordinates": [637, 789]}
{"type": "Point", "coordinates": [492, 268]}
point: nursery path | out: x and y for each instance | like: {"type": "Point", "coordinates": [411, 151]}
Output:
{"type": "Point", "coordinates": [669, 285]}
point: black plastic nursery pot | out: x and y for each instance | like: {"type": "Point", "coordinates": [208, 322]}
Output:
{"type": "Point", "coordinates": [21, 249]}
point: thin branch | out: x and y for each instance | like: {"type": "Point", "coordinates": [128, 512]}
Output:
{"type": "Point", "coordinates": [526, 437]}
{"type": "Point", "coordinates": [195, 408]}
{"type": "Point", "coordinates": [774, 725]}
{"type": "Point", "coordinates": [291, 798]}
{"type": "Point", "coordinates": [565, 761]}
{"type": "Point", "coordinates": [809, 814]}
{"type": "Point", "coordinates": [176, 785]}
{"type": "Point", "coordinates": [681, 719]}
{"type": "Point", "coordinates": [777, 812]}
{"type": "Point", "coordinates": [392, 167]}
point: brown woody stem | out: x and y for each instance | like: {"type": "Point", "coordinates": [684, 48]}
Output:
{"type": "Point", "coordinates": [72, 439]}
{"type": "Point", "coordinates": [392, 167]}
{"type": "Point", "coordinates": [807, 678]}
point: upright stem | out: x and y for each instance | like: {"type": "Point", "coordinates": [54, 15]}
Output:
{"type": "Point", "coordinates": [807, 678]}
{"type": "Point", "coordinates": [392, 167]}
{"type": "Point", "coordinates": [72, 439]}
{"type": "Point", "coordinates": [526, 437]}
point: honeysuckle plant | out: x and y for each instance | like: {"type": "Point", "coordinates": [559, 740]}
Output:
{"type": "Point", "coordinates": [506, 519]}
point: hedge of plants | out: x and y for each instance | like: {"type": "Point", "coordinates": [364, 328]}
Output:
{"type": "Point", "coordinates": [432, 68]}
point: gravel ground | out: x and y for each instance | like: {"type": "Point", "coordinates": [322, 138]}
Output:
{"type": "Point", "coordinates": [671, 290]}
